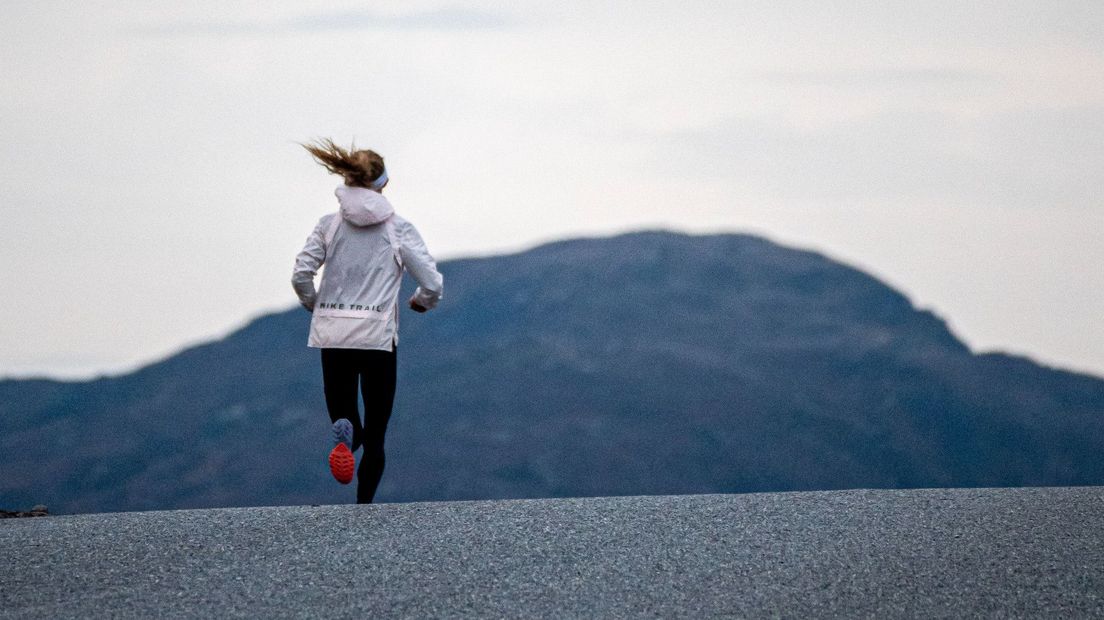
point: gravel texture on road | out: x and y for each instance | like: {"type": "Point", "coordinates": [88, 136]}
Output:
{"type": "Point", "coordinates": [947, 552]}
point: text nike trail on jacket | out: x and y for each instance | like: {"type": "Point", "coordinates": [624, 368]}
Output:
{"type": "Point", "coordinates": [365, 247]}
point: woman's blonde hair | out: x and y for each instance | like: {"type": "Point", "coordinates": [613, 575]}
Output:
{"type": "Point", "coordinates": [358, 167]}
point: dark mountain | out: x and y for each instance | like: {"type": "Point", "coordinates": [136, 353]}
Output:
{"type": "Point", "coordinates": [647, 363]}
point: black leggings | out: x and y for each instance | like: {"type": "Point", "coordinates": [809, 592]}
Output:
{"type": "Point", "coordinates": [342, 369]}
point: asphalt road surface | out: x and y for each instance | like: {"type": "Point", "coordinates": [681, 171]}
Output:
{"type": "Point", "coordinates": [966, 552]}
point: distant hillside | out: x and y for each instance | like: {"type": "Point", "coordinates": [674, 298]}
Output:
{"type": "Point", "coordinates": [646, 363]}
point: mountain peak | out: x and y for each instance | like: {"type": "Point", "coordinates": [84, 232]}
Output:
{"type": "Point", "coordinates": [643, 363]}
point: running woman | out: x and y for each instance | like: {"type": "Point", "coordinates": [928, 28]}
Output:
{"type": "Point", "coordinates": [365, 246]}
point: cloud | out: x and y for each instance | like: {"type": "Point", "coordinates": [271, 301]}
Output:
{"type": "Point", "coordinates": [873, 77]}
{"type": "Point", "coordinates": [1035, 159]}
{"type": "Point", "coordinates": [444, 19]}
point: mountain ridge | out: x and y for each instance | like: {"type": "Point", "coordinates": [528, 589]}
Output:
{"type": "Point", "coordinates": [230, 331]}
{"type": "Point", "coordinates": [647, 362]}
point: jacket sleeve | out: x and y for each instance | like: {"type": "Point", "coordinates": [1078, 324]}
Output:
{"type": "Point", "coordinates": [307, 263]}
{"type": "Point", "coordinates": [420, 264]}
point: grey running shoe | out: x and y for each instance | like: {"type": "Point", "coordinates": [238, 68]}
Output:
{"type": "Point", "coordinates": [343, 432]}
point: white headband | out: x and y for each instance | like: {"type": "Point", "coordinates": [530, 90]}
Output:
{"type": "Point", "coordinates": [380, 182]}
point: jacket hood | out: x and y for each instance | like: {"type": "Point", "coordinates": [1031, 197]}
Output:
{"type": "Point", "coordinates": [361, 206]}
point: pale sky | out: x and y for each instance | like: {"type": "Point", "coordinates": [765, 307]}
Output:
{"type": "Point", "coordinates": [153, 197]}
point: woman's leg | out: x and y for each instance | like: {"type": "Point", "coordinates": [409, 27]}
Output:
{"type": "Point", "coordinates": [377, 384]}
{"type": "Point", "coordinates": [339, 382]}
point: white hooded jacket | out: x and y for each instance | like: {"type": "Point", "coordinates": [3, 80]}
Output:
{"type": "Point", "coordinates": [365, 247]}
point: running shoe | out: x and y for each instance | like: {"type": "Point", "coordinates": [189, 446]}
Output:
{"type": "Point", "coordinates": [343, 432]}
{"type": "Point", "coordinates": [342, 463]}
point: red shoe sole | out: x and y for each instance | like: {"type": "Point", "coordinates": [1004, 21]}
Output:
{"type": "Point", "coordinates": [342, 463]}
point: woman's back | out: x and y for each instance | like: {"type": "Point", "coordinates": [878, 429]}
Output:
{"type": "Point", "coordinates": [365, 247]}
{"type": "Point", "coordinates": [361, 268]}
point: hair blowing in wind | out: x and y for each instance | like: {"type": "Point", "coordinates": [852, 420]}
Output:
{"type": "Point", "coordinates": [358, 167]}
